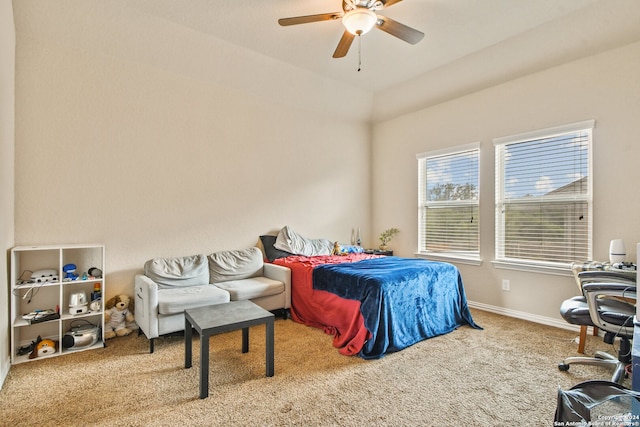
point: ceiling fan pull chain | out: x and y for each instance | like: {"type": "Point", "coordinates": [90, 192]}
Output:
{"type": "Point", "coordinates": [359, 52]}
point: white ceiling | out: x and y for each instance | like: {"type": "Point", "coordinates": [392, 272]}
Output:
{"type": "Point", "coordinates": [479, 42]}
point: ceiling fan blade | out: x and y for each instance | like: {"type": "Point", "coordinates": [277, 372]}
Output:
{"type": "Point", "coordinates": [389, 3]}
{"type": "Point", "coordinates": [309, 18]}
{"type": "Point", "coordinates": [344, 44]}
{"type": "Point", "coordinates": [399, 30]}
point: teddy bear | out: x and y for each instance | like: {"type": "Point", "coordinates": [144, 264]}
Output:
{"type": "Point", "coordinates": [117, 314]}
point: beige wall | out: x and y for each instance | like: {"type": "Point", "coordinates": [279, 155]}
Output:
{"type": "Point", "coordinates": [602, 87]}
{"type": "Point", "coordinates": [155, 162]}
{"type": "Point", "coordinates": [7, 67]}
{"type": "Point", "coordinates": [163, 152]}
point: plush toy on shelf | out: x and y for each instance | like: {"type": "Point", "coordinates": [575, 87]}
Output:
{"type": "Point", "coordinates": [43, 347]}
{"type": "Point", "coordinates": [118, 312]}
{"type": "Point", "coordinates": [70, 272]}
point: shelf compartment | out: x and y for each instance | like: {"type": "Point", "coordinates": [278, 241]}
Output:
{"type": "Point", "coordinates": [40, 298]}
{"type": "Point", "coordinates": [98, 344]}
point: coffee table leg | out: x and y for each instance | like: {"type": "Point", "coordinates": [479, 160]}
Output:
{"type": "Point", "coordinates": [204, 366]}
{"type": "Point", "coordinates": [187, 343]}
{"type": "Point", "coordinates": [245, 340]}
{"type": "Point", "coordinates": [270, 349]}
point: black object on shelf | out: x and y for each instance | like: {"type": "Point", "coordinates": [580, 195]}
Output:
{"type": "Point", "coordinates": [378, 252]}
{"type": "Point", "coordinates": [26, 349]}
{"type": "Point", "coordinates": [44, 317]}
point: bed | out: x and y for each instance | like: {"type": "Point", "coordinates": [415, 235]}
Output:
{"type": "Point", "coordinates": [374, 305]}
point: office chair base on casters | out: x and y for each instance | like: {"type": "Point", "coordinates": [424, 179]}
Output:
{"type": "Point", "coordinates": [601, 359]}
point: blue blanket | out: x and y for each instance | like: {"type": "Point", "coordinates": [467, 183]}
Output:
{"type": "Point", "coordinates": [402, 300]}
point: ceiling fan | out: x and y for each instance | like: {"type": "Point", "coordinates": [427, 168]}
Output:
{"type": "Point", "coordinates": [358, 17]}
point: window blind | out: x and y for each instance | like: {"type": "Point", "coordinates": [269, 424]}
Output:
{"type": "Point", "coordinates": [448, 201]}
{"type": "Point", "coordinates": [544, 197]}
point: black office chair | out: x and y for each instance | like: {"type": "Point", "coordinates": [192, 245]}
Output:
{"type": "Point", "coordinates": [608, 303]}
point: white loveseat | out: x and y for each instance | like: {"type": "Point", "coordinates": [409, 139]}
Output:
{"type": "Point", "coordinates": [169, 286]}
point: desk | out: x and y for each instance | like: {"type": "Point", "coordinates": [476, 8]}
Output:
{"type": "Point", "coordinates": [216, 319]}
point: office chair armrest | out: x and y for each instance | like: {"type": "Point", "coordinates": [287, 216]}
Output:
{"type": "Point", "coordinates": [611, 289]}
{"type": "Point", "coordinates": [607, 276]}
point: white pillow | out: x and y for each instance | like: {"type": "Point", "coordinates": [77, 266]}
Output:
{"type": "Point", "coordinates": [294, 243]}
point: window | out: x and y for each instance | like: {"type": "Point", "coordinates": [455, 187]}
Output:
{"type": "Point", "coordinates": [448, 202]}
{"type": "Point", "coordinates": [543, 197]}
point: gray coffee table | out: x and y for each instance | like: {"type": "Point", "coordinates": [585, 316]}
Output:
{"type": "Point", "coordinates": [216, 319]}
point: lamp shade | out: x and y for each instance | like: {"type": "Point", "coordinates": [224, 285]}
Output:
{"type": "Point", "coordinates": [359, 21]}
{"type": "Point", "coordinates": [617, 251]}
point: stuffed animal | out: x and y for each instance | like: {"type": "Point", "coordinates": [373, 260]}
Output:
{"type": "Point", "coordinates": [43, 347]}
{"type": "Point", "coordinates": [70, 272]}
{"type": "Point", "coordinates": [118, 312]}
{"type": "Point", "coordinates": [336, 249]}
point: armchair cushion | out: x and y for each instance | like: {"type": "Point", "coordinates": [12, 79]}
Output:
{"type": "Point", "coordinates": [235, 265]}
{"type": "Point", "coordinates": [178, 299]}
{"type": "Point", "coordinates": [178, 272]}
{"type": "Point", "coordinates": [251, 288]}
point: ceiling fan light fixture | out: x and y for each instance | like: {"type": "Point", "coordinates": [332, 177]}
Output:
{"type": "Point", "coordinates": [359, 21]}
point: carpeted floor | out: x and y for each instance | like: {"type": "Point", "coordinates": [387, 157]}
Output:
{"type": "Point", "coordinates": [503, 375]}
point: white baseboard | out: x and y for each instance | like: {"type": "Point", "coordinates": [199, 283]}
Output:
{"type": "Point", "coordinates": [549, 321]}
{"type": "Point", "coordinates": [4, 371]}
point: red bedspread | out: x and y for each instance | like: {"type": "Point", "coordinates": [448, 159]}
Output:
{"type": "Point", "coordinates": [336, 316]}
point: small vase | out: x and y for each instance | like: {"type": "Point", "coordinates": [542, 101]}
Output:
{"type": "Point", "coordinates": [383, 247]}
